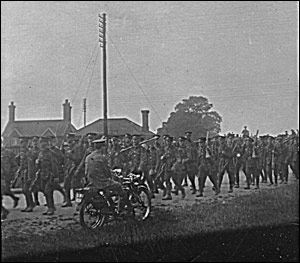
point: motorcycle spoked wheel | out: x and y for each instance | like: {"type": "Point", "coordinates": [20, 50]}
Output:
{"type": "Point", "coordinates": [141, 203]}
{"type": "Point", "coordinates": [90, 214]}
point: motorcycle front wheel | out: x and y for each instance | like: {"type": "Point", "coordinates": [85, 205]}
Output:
{"type": "Point", "coordinates": [91, 215]}
{"type": "Point", "coordinates": [141, 202]}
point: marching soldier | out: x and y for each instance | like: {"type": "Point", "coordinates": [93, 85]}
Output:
{"type": "Point", "coordinates": [168, 158]}
{"type": "Point", "coordinates": [191, 163]}
{"type": "Point", "coordinates": [8, 168]}
{"type": "Point", "coordinates": [154, 164]}
{"type": "Point", "coordinates": [237, 160]}
{"type": "Point", "coordinates": [251, 165]}
{"type": "Point", "coordinates": [269, 155]}
{"type": "Point", "coordinates": [73, 158]}
{"type": "Point", "coordinates": [206, 167]}
{"type": "Point", "coordinates": [294, 156]}
{"type": "Point", "coordinates": [46, 168]}
{"type": "Point", "coordinates": [114, 155]}
{"type": "Point", "coordinates": [245, 133]}
{"type": "Point", "coordinates": [79, 173]}
{"type": "Point", "coordinates": [226, 162]}
{"type": "Point", "coordinates": [179, 168]}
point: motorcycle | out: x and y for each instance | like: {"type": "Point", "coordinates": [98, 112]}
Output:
{"type": "Point", "coordinates": [98, 207]}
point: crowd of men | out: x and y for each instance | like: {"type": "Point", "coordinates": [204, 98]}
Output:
{"type": "Point", "coordinates": [165, 163]}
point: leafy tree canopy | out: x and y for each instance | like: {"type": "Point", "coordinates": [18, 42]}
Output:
{"type": "Point", "coordinates": [194, 114]}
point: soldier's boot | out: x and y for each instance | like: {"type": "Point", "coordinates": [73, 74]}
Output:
{"type": "Point", "coordinates": [237, 186]}
{"type": "Point", "coordinates": [16, 201]}
{"type": "Point", "coordinates": [164, 192]}
{"type": "Point", "coordinates": [36, 198]}
{"type": "Point", "coordinates": [74, 193]}
{"type": "Point", "coordinates": [29, 203]}
{"type": "Point", "coordinates": [247, 187]}
{"type": "Point", "coordinates": [175, 191]}
{"type": "Point", "coordinates": [182, 193]}
{"type": "Point", "coordinates": [230, 189]}
{"type": "Point", "coordinates": [4, 213]}
{"type": "Point", "coordinates": [67, 203]}
{"type": "Point", "coordinates": [200, 194]}
{"type": "Point", "coordinates": [168, 195]}
{"type": "Point", "coordinates": [50, 204]}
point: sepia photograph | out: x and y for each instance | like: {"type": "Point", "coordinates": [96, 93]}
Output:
{"type": "Point", "coordinates": [149, 131]}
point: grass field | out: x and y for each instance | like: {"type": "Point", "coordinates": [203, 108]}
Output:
{"type": "Point", "coordinates": [268, 208]}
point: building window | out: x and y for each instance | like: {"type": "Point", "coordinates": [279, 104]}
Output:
{"type": "Point", "coordinates": [14, 141]}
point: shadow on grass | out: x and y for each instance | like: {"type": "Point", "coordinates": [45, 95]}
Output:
{"type": "Point", "coordinates": [277, 243]}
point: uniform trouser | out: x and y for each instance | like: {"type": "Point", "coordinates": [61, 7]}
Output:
{"type": "Point", "coordinates": [167, 180]}
{"type": "Point", "coordinates": [268, 170]}
{"type": "Point", "coordinates": [252, 171]}
{"type": "Point", "coordinates": [28, 194]}
{"type": "Point", "coordinates": [177, 178]}
{"type": "Point", "coordinates": [48, 189]}
{"type": "Point", "coordinates": [202, 175]}
{"type": "Point", "coordinates": [68, 184]}
{"type": "Point", "coordinates": [277, 172]}
{"type": "Point", "coordinates": [295, 168]}
{"type": "Point", "coordinates": [237, 169]}
{"type": "Point", "coordinates": [285, 171]}
{"type": "Point", "coordinates": [230, 175]}
{"type": "Point", "coordinates": [149, 180]}
{"type": "Point", "coordinates": [191, 172]}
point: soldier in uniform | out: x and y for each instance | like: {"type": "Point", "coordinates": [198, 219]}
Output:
{"type": "Point", "coordinates": [226, 162]}
{"type": "Point", "coordinates": [79, 173]}
{"type": "Point", "coordinates": [8, 169]}
{"type": "Point", "coordinates": [114, 154]}
{"type": "Point", "coordinates": [46, 166]}
{"type": "Point", "coordinates": [251, 158]}
{"type": "Point", "coordinates": [206, 167]}
{"type": "Point", "coordinates": [294, 155]}
{"type": "Point", "coordinates": [269, 155]}
{"type": "Point", "coordinates": [73, 158]}
{"type": "Point", "coordinates": [154, 164]}
{"type": "Point", "coordinates": [59, 162]}
{"type": "Point", "coordinates": [245, 133]}
{"type": "Point", "coordinates": [168, 158]}
{"type": "Point", "coordinates": [191, 163]}
{"type": "Point", "coordinates": [179, 168]}
{"type": "Point", "coordinates": [237, 160]}
{"type": "Point", "coordinates": [98, 172]}
{"type": "Point", "coordinates": [26, 161]}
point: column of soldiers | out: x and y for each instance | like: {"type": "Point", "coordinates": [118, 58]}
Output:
{"type": "Point", "coordinates": [167, 164]}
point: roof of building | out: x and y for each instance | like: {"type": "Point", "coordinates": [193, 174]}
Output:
{"type": "Point", "coordinates": [38, 128]}
{"type": "Point", "coordinates": [116, 126]}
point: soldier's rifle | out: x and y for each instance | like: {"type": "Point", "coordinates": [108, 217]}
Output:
{"type": "Point", "coordinates": [17, 176]}
{"type": "Point", "coordinates": [140, 143]}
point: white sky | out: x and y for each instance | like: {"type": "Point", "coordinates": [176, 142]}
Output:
{"type": "Point", "coordinates": [242, 56]}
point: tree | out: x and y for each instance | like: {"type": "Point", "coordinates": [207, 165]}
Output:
{"type": "Point", "coordinates": [193, 114]}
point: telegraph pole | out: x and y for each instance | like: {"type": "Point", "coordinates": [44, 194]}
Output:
{"type": "Point", "coordinates": [102, 41]}
{"type": "Point", "coordinates": [84, 112]}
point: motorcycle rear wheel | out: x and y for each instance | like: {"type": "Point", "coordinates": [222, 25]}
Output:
{"type": "Point", "coordinates": [90, 215]}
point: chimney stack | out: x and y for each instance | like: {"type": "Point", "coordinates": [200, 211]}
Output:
{"type": "Point", "coordinates": [11, 112]}
{"type": "Point", "coordinates": [67, 111]}
{"type": "Point", "coordinates": [145, 120]}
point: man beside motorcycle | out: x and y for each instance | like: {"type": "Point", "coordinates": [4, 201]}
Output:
{"type": "Point", "coordinates": [99, 175]}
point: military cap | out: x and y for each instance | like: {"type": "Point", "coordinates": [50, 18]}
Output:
{"type": "Point", "coordinates": [127, 135]}
{"type": "Point", "coordinates": [188, 132]}
{"type": "Point", "coordinates": [202, 139]}
{"type": "Point", "coordinates": [44, 139]}
{"type": "Point", "coordinates": [23, 140]}
{"type": "Point", "coordinates": [91, 134]}
{"type": "Point", "coordinates": [35, 138]}
{"type": "Point", "coordinates": [248, 138]}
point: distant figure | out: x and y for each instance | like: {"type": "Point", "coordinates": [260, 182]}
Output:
{"type": "Point", "coordinates": [245, 132]}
